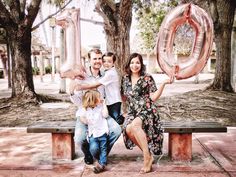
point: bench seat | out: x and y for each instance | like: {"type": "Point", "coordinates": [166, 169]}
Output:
{"type": "Point", "coordinates": [63, 146]}
{"type": "Point", "coordinates": [179, 143]}
{"type": "Point", "coordinates": [180, 136]}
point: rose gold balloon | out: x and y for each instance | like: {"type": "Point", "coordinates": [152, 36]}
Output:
{"type": "Point", "coordinates": [202, 24]}
{"type": "Point", "coordinates": [69, 21]}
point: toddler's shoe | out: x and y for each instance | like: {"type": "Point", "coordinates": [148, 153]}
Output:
{"type": "Point", "coordinates": [98, 168]}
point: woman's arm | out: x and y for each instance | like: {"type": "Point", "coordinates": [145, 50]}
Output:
{"type": "Point", "coordinates": [156, 95]}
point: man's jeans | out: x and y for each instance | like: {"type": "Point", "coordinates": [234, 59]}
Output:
{"type": "Point", "coordinates": [81, 133]}
{"type": "Point", "coordinates": [98, 148]}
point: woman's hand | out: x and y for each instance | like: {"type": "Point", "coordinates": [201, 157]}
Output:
{"type": "Point", "coordinates": [170, 80]}
{"type": "Point", "coordinates": [156, 95]}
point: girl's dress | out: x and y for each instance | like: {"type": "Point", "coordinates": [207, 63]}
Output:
{"type": "Point", "coordinates": [140, 105]}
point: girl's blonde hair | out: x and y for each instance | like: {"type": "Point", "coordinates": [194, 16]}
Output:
{"type": "Point", "coordinates": [90, 99]}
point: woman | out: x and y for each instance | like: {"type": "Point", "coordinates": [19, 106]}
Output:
{"type": "Point", "coordinates": [142, 124]}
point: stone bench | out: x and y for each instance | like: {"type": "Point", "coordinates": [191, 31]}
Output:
{"type": "Point", "coordinates": [63, 146]}
{"type": "Point", "coordinates": [179, 145]}
{"type": "Point", "coordinates": [180, 136]}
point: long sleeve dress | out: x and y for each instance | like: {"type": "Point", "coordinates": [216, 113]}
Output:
{"type": "Point", "coordinates": [140, 105]}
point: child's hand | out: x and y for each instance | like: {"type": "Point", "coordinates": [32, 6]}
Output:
{"type": "Point", "coordinates": [125, 115]}
{"type": "Point", "coordinates": [83, 120]}
{"type": "Point", "coordinates": [105, 113]}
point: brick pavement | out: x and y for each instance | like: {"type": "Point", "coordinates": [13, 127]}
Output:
{"type": "Point", "coordinates": [29, 155]}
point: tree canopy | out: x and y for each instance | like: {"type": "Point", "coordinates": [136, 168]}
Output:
{"type": "Point", "coordinates": [150, 15]}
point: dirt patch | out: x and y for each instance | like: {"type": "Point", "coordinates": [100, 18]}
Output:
{"type": "Point", "coordinates": [195, 105]}
{"type": "Point", "coordinates": [200, 106]}
{"type": "Point", "coordinates": [17, 113]}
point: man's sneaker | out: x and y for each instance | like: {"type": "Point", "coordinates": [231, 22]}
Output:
{"type": "Point", "coordinates": [98, 168]}
{"type": "Point", "coordinates": [88, 159]}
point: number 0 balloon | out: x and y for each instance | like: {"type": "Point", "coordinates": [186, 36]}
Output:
{"type": "Point", "coordinates": [202, 26]}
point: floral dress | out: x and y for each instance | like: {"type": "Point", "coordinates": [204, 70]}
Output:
{"type": "Point", "coordinates": [140, 105]}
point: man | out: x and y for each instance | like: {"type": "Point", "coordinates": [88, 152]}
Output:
{"type": "Point", "coordinates": [92, 73]}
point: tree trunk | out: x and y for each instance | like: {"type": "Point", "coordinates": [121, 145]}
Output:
{"type": "Point", "coordinates": [117, 22]}
{"type": "Point", "coordinates": [22, 78]}
{"type": "Point", "coordinates": [222, 80]}
{"type": "Point", "coordinates": [119, 44]}
{"type": "Point", "coordinates": [223, 31]}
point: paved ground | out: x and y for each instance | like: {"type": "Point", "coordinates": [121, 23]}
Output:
{"type": "Point", "coordinates": [29, 155]}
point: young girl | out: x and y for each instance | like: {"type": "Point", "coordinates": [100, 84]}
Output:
{"type": "Point", "coordinates": [93, 114]}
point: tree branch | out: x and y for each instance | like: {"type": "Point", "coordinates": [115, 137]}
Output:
{"type": "Point", "coordinates": [125, 8]}
{"type": "Point", "coordinates": [22, 8]}
{"type": "Point", "coordinates": [92, 21]}
{"type": "Point", "coordinates": [50, 16]}
{"type": "Point", "coordinates": [32, 9]}
{"type": "Point", "coordinates": [111, 4]}
{"type": "Point", "coordinates": [104, 16]}
{"type": "Point", "coordinates": [15, 9]}
{"type": "Point", "coordinates": [213, 11]}
{"type": "Point", "coordinates": [5, 16]}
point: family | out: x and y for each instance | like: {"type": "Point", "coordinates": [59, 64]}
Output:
{"type": "Point", "coordinates": [99, 96]}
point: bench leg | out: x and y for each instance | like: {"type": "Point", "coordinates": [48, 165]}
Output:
{"type": "Point", "coordinates": [180, 146]}
{"type": "Point", "coordinates": [63, 146]}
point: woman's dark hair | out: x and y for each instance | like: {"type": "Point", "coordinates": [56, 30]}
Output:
{"type": "Point", "coordinates": [110, 54]}
{"type": "Point", "coordinates": [143, 68]}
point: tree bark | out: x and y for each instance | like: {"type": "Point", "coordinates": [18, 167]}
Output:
{"type": "Point", "coordinates": [223, 31]}
{"type": "Point", "coordinates": [17, 18]}
{"type": "Point", "coordinates": [22, 78]}
{"type": "Point", "coordinates": [117, 22]}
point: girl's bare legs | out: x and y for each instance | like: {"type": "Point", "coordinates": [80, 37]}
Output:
{"type": "Point", "coordinates": [138, 136]}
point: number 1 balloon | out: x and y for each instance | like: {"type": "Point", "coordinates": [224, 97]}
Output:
{"type": "Point", "coordinates": [202, 25]}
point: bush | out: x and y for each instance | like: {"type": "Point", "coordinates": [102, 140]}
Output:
{"type": "Point", "coordinates": [48, 69]}
{"type": "Point", "coordinates": [35, 70]}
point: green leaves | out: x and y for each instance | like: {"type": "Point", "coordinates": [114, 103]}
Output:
{"type": "Point", "coordinates": [58, 3]}
{"type": "Point", "coordinates": [150, 15]}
